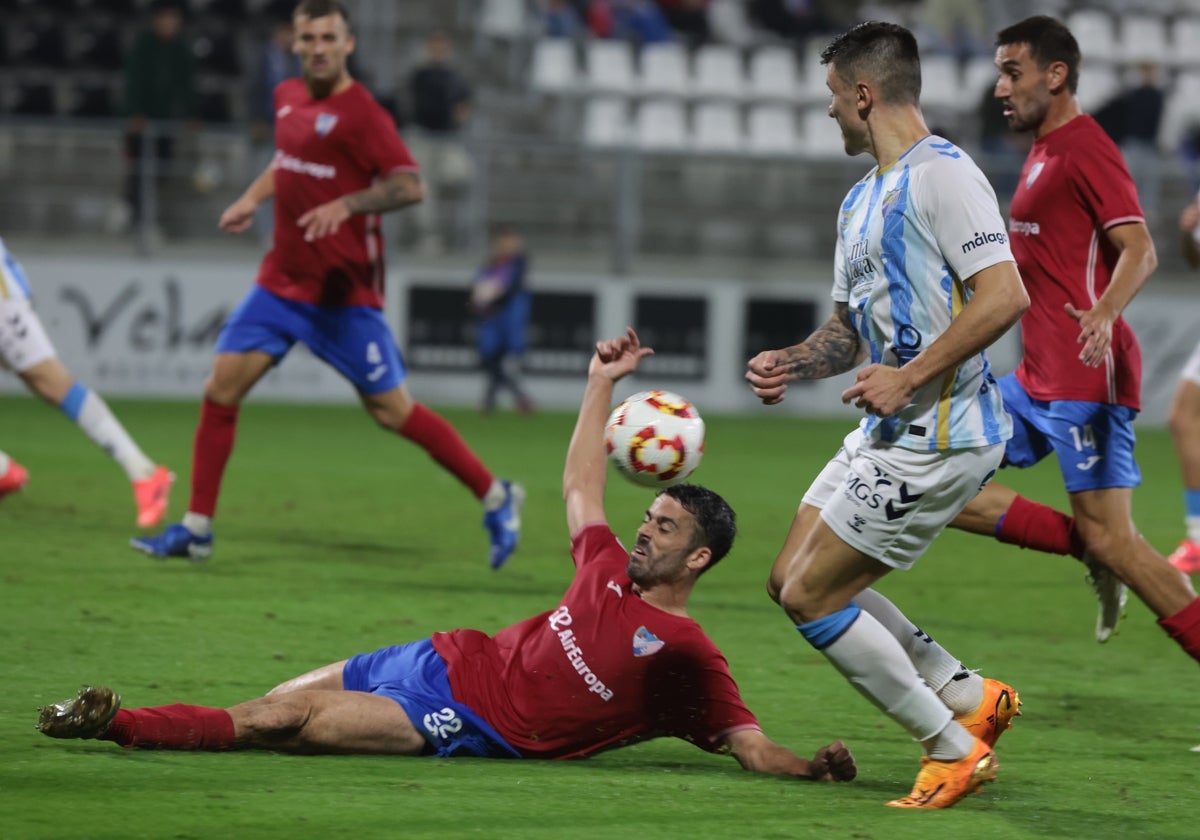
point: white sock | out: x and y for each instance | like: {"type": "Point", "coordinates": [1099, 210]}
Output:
{"type": "Point", "coordinates": [875, 664]}
{"type": "Point", "coordinates": [198, 523]}
{"type": "Point", "coordinates": [495, 495]}
{"type": "Point", "coordinates": [958, 687]}
{"type": "Point", "coordinates": [92, 415]}
{"type": "Point", "coordinates": [1193, 528]}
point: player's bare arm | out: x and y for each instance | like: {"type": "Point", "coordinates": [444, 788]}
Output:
{"type": "Point", "coordinates": [758, 753]}
{"type": "Point", "coordinates": [239, 215]}
{"type": "Point", "coordinates": [586, 464]}
{"type": "Point", "coordinates": [1134, 266]}
{"type": "Point", "coordinates": [391, 192]}
{"type": "Point", "coordinates": [999, 301]}
{"type": "Point", "coordinates": [833, 348]}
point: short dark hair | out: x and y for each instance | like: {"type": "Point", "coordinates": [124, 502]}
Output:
{"type": "Point", "coordinates": [1049, 40]}
{"type": "Point", "coordinates": [884, 53]}
{"type": "Point", "coordinates": [716, 523]}
{"type": "Point", "coordinates": [320, 9]}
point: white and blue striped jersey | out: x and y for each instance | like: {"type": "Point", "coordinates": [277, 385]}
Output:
{"type": "Point", "coordinates": [13, 284]}
{"type": "Point", "coordinates": [908, 236]}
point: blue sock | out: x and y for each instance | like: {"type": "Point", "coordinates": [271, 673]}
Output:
{"type": "Point", "coordinates": [823, 632]}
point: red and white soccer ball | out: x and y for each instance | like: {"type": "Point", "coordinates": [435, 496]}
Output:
{"type": "Point", "coordinates": [655, 438]}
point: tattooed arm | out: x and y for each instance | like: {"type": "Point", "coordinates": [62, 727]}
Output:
{"type": "Point", "coordinates": [833, 348]}
{"type": "Point", "coordinates": [391, 192]}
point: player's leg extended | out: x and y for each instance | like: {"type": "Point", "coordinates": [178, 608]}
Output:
{"type": "Point", "coordinates": [1105, 521]}
{"type": "Point", "coordinates": [1184, 422]}
{"type": "Point", "coordinates": [816, 594]}
{"type": "Point", "coordinates": [232, 377]}
{"type": "Point", "coordinates": [502, 500]}
{"type": "Point", "coordinates": [313, 721]}
{"type": "Point", "coordinates": [326, 678]}
{"type": "Point", "coordinates": [305, 721]}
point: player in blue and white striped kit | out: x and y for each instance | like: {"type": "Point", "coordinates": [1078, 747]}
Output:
{"type": "Point", "coordinates": [924, 281]}
{"type": "Point", "coordinates": [26, 349]}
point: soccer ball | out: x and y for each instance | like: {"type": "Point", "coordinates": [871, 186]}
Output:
{"type": "Point", "coordinates": [655, 438]}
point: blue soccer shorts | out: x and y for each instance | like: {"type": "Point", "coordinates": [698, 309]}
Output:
{"type": "Point", "coordinates": [354, 340]}
{"type": "Point", "coordinates": [414, 675]}
{"type": "Point", "coordinates": [1093, 441]}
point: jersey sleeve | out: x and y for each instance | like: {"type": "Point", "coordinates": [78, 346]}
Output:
{"type": "Point", "coordinates": [596, 543]}
{"type": "Point", "coordinates": [1103, 184]}
{"type": "Point", "coordinates": [841, 274]}
{"type": "Point", "coordinates": [381, 144]}
{"type": "Point", "coordinates": [960, 209]}
{"type": "Point", "coordinates": [699, 700]}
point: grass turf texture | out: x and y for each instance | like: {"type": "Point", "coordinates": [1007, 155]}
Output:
{"type": "Point", "coordinates": [335, 538]}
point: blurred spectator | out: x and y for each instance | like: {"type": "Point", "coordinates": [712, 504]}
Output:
{"type": "Point", "coordinates": [276, 63]}
{"type": "Point", "coordinates": [159, 87]}
{"type": "Point", "coordinates": [689, 18]}
{"type": "Point", "coordinates": [440, 104]}
{"type": "Point", "coordinates": [1132, 119]}
{"type": "Point", "coordinates": [500, 302]}
{"type": "Point", "coordinates": [794, 19]}
{"type": "Point", "coordinates": [639, 21]}
{"type": "Point", "coordinates": [562, 19]}
{"type": "Point", "coordinates": [956, 27]}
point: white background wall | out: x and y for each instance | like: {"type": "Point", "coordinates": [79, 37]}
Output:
{"type": "Point", "coordinates": [133, 327]}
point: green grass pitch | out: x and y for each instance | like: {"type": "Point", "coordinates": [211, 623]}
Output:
{"type": "Point", "coordinates": [336, 538]}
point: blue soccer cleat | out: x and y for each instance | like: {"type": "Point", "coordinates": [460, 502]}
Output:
{"type": "Point", "coordinates": [504, 524]}
{"type": "Point", "coordinates": [176, 541]}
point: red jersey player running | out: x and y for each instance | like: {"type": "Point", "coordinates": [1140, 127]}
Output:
{"type": "Point", "coordinates": [616, 662]}
{"type": "Point", "coordinates": [1082, 246]}
{"type": "Point", "coordinates": [338, 163]}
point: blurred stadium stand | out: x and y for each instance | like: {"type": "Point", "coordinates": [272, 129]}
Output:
{"type": "Point", "coordinates": [590, 147]}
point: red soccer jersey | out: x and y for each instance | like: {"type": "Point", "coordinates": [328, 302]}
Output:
{"type": "Point", "coordinates": [1074, 186]}
{"type": "Point", "coordinates": [605, 669]}
{"type": "Point", "coordinates": [324, 149]}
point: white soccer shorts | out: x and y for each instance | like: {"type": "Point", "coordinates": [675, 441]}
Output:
{"type": "Point", "coordinates": [1191, 371]}
{"type": "Point", "coordinates": [23, 339]}
{"type": "Point", "coordinates": [889, 502]}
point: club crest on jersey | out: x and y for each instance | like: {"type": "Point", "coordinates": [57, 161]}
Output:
{"type": "Point", "coordinates": [1034, 172]}
{"type": "Point", "coordinates": [646, 643]}
{"type": "Point", "coordinates": [325, 124]}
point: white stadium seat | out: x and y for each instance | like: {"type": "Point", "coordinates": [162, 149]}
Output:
{"type": "Point", "coordinates": [553, 66]}
{"type": "Point", "coordinates": [717, 73]}
{"type": "Point", "coordinates": [1098, 83]}
{"type": "Point", "coordinates": [1143, 39]}
{"type": "Point", "coordinates": [716, 128]}
{"type": "Point", "coordinates": [1185, 42]}
{"type": "Point", "coordinates": [979, 75]}
{"type": "Point", "coordinates": [660, 125]}
{"type": "Point", "coordinates": [1096, 34]}
{"type": "Point", "coordinates": [820, 136]}
{"type": "Point", "coordinates": [772, 74]}
{"type": "Point", "coordinates": [610, 67]}
{"type": "Point", "coordinates": [504, 19]}
{"type": "Point", "coordinates": [605, 122]}
{"type": "Point", "coordinates": [941, 87]}
{"type": "Point", "coordinates": [664, 70]}
{"type": "Point", "coordinates": [771, 130]}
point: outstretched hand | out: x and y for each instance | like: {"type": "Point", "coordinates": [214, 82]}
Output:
{"type": "Point", "coordinates": [833, 763]}
{"type": "Point", "coordinates": [618, 357]}
{"type": "Point", "coordinates": [1095, 333]}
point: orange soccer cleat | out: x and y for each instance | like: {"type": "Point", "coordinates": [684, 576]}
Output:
{"type": "Point", "coordinates": [1186, 558]}
{"type": "Point", "coordinates": [1000, 705]}
{"type": "Point", "coordinates": [151, 495]}
{"type": "Point", "coordinates": [942, 783]}
{"type": "Point", "coordinates": [13, 479]}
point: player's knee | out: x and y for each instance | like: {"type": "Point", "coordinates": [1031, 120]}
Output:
{"type": "Point", "coordinates": [775, 588]}
{"type": "Point", "coordinates": [800, 603]}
